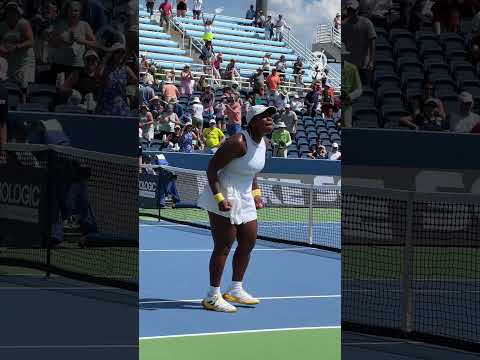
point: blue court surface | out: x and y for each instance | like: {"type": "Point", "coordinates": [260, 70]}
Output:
{"type": "Point", "coordinates": [56, 318]}
{"type": "Point", "coordinates": [299, 287]}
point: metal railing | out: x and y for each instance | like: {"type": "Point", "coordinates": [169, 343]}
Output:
{"type": "Point", "coordinates": [327, 34]}
{"type": "Point", "coordinates": [307, 54]}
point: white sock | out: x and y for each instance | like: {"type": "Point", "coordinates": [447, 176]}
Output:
{"type": "Point", "coordinates": [214, 290]}
{"type": "Point", "coordinates": [236, 285]}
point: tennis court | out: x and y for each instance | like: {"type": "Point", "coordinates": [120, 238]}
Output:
{"type": "Point", "coordinates": [299, 288]}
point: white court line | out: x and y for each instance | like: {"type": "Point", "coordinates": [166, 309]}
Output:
{"type": "Point", "coordinates": [260, 298]}
{"type": "Point", "coordinates": [20, 287]}
{"type": "Point", "coordinates": [375, 343]}
{"type": "Point", "coordinates": [241, 332]}
{"type": "Point", "coordinates": [210, 250]}
{"type": "Point", "coordinates": [66, 346]}
{"type": "Point", "coordinates": [165, 225]}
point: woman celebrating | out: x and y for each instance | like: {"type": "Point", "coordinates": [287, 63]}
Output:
{"type": "Point", "coordinates": [231, 200]}
{"type": "Point", "coordinates": [208, 28]}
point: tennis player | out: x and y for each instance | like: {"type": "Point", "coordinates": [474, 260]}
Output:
{"type": "Point", "coordinates": [232, 200]}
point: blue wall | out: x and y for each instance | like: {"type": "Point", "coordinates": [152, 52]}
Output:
{"type": "Point", "coordinates": [273, 165]}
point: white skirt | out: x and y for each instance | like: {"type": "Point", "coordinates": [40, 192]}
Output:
{"type": "Point", "coordinates": [243, 206]}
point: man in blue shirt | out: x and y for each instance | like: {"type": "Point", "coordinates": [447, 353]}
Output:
{"type": "Point", "coordinates": [250, 13]}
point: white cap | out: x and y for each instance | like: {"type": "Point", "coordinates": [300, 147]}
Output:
{"type": "Point", "coordinates": [465, 97]}
{"type": "Point", "coordinates": [287, 106]}
{"type": "Point", "coordinates": [212, 121]}
{"type": "Point", "coordinates": [196, 99]}
{"type": "Point", "coordinates": [280, 125]}
{"type": "Point", "coordinates": [3, 68]}
{"type": "Point", "coordinates": [188, 123]}
{"type": "Point", "coordinates": [117, 46]}
{"type": "Point", "coordinates": [335, 145]}
{"type": "Point", "coordinates": [259, 109]}
{"type": "Point", "coordinates": [91, 53]}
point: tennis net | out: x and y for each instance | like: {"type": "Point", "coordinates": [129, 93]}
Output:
{"type": "Point", "coordinates": [299, 214]}
{"type": "Point", "coordinates": [107, 251]}
{"type": "Point", "coordinates": [411, 265]}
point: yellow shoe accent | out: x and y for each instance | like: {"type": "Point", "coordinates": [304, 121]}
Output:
{"type": "Point", "coordinates": [211, 307]}
{"type": "Point", "coordinates": [234, 299]}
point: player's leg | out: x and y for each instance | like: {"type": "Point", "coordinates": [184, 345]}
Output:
{"type": "Point", "coordinates": [246, 237]}
{"type": "Point", "coordinates": [223, 233]}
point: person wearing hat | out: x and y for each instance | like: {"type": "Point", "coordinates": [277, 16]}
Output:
{"type": "Point", "coordinates": [187, 138]}
{"type": "Point", "coordinates": [465, 120]}
{"type": "Point", "coordinates": [296, 104]}
{"type": "Point", "coordinates": [117, 77]}
{"type": "Point", "coordinates": [281, 66]}
{"type": "Point", "coordinates": [290, 119]}
{"type": "Point", "coordinates": [4, 123]}
{"type": "Point", "coordinates": [197, 113]}
{"type": "Point", "coordinates": [86, 80]}
{"type": "Point", "coordinates": [281, 140]}
{"type": "Point", "coordinates": [69, 40]}
{"type": "Point", "coordinates": [186, 81]}
{"type": "Point", "coordinates": [351, 88]}
{"type": "Point", "coordinates": [155, 107]}
{"type": "Point", "coordinates": [167, 121]}
{"type": "Point", "coordinates": [337, 21]}
{"type": "Point", "coordinates": [359, 36]}
{"type": "Point", "coordinates": [147, 123]}
{"type": "Point", "coordinates": [429, 119]}
{"type": "Point", "coordinates": [273, 82]}
{"type": "Point", "coordinates": [232, 197]}
{"type": "Point", "coordinates": [170, 91]}
{"type": "Point", "coordinates": [335, 154]}
{"type": "Point", "coordinates": [266, 64]}
{"type": "Point", "coordinates": [16, 46]}
{"type": "Point", "coordinates": [212, 136]}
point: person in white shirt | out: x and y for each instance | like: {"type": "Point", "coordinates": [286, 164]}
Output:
{"type": "Point", "coordinates": [296, 104]}
{"type": "Point", "coordinates": [280, 27]}
{"type": "Point", "coordinates": [197, 9]}
{"type": "Point", "coordinates": [335, 154]}
{"type": "Point", "coordinates": [197, 113]}
{"type": "Point", "coordinates": [465, 120]}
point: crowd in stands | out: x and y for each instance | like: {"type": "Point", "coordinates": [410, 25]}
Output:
{"type": "Point", "coordinates": [411, 64]}
{"type": "Point", "coordinates": [73, 56]}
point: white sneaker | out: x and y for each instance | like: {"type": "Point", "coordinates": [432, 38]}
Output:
{"type": "Point", "coordinates": [217, 303]}
{"type": "Point", "coordinates": [240, 296]}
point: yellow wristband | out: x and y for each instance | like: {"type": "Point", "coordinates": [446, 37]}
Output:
{"type": "Point", "coordinates": [218, 198]}
{"type": "Point", "coordinates": [256, 193]}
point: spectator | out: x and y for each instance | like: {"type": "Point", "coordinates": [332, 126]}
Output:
{"type": "Point", "coordinates": [313, 99]}
{"type": "Point", "coordinates": [208, 100]}
{"type": "Point", "coordinates": [296, 104]}
{"type": "Point", "coordinates": [42, 25]}
{"type": "Point", "coordinates": [177, 108]}
{"type": "Point", "coordinates": [318, 152]}
{"type": "Point", "coordinates": [250, 13]}
{"type": "Point", "coordinates": [220, 113]}
{"type": "Point", "coordinates": [69, 40]}
{"type": "Point", "coordinates": [233, 111]}
{"type": "Point", "coordinates": [266, 64]}
{"type": "Point", "coordinates": [268, 26]}
{"type": "Point", "coordinates": [335, 154]}
{"type": "Point", "coordinates": [16, 46]}
{"type": "Point", "coordinates": [170, 91]}
{"type": "Point", "coordinates": [351, 88]}
{"type": "Point", "coordinates": [359, 36]}
{"type": "Point", "coordinates": [416, 103]}
{"type": "Point", "coordinates": [328, 99]}
{"type": "Point", "coordinates": [197, 9]}
{"type": "Point", "coordinates": [216, 66]}
{"type": "Point", "coordinates": [213, 137]}
{"type": "Point", "coordinates": [202, 83]}
{"type": "Point", "coordinates": [280, 26]}
{"type": "Point", "coordinates": [466, 120]}
{"type": "Point", "coordinates": [273, 82]}
{"type": "Point", "coordinates": [85, 81]}
{"type": "Point", "coordinates": [281, 66]}
{"type": "Point", "coordinates": [93, 13]}
{"type": "Point", "coordinates": [167, 121]}
{"type": "Point", "coordinates": [187, 138]}
{"type": "Point", "coordinates": [145, 93]}
{"type": "Point", "coordinates": [115, 75]}
{"type": "Point", "coordinates": [429, 119]}
{"type": "Point", "coordinates": [150, 4]}
{"type": "Point", "coordinates": [187, 81]}
{"type": "Point", "coordinates": [260, 19]}
{"type": "Point", "coordinates": [258, 81]}
{"type": "Point", "coordinates": [279, 100]}
{"type": "Point", "coordinates": [231, 72]}
{"type": "Point", "coordinates": [165, 14]}
{"type": "Point", "coordinates": [290, 119]}
{"type": "Point", "coordinates": [149, 78]}
{"type": "Point", "coordinates": [147, 123]}
{"type": "Point", "coordinates": [155, 107]}
{"type": "Point", "coordinates": [197, 113]}
{"type": "Point", "coordinates": [172, 141]}
{"type": "Point", "coordinates": [281, 140]}
{"type": "Point", "coordinates": [143, 64]}
{"type": "Point", "coordinates": [337, 22]}
{"type": "Point", "coordinates": [298, 67]}
{"type": "Point", "coordinates": [208, 28]}
{"type": "Point", "coordinates": [182, 8]}
{"type": "Point", "coordinates": [207, 53]}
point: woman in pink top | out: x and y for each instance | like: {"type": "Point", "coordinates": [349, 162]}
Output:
{"type": "Point", "coordinates": [186, 83]}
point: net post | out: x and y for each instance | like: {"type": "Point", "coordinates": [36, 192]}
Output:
{"type": "Point", "coordinates": [310, 215]}
{"type": "Point", "coordinates": [408, 268]}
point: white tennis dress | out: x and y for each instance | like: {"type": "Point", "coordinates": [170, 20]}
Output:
{"type": "Point", "coordinates": [236, 184]}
